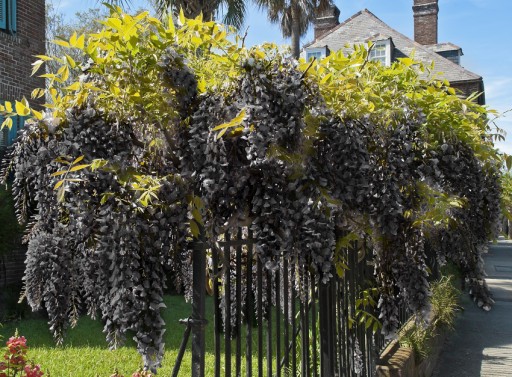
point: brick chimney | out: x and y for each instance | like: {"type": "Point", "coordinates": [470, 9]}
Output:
{"type": "Point", "coordinates": [326, 20]}
{"type": "Point", "coordinates": [425, 21]}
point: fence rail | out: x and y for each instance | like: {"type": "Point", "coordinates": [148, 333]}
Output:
{"type": "Point", "coordinates": [282, 321]}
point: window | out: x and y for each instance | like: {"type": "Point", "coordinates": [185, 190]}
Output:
{"type": "Point", "coordinates": [381, 51]}
{"type": "Point", "coordinates": [316, 53]}
{"type": "Point", "coordinates": [8, 15]}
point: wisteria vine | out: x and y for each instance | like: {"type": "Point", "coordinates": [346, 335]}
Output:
{"type": "Point", "coordinates": [112, 202]}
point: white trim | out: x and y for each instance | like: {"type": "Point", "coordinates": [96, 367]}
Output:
{"type": "Point", "coordinates": [381, 49]}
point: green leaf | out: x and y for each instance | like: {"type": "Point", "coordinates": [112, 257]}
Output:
{"type": "Point", "coordinates": [508, 162]}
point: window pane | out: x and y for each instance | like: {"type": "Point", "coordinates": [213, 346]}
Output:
{"type": "Point", "coordinates": [313, 55]}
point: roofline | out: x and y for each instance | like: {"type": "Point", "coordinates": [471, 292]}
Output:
{"type": "Point", "coordinates": [336, 27]}
{"type": "Point", "coordinates": [416, 44]}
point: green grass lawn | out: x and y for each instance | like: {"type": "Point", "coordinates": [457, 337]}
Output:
{"type": "Point", "coordinates": [85, 351]}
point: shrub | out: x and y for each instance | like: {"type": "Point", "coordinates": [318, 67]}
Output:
{"type": "Point", "coordinates": [444, 302]}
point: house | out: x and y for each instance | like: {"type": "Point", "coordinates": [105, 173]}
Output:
{"type": "Point", "coordinates": [22, 35]}
{"type": "Point", "coordinates": [389, 44]}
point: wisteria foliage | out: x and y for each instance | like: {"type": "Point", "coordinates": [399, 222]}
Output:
{"type": "Point", "coordinates": [113, 201]}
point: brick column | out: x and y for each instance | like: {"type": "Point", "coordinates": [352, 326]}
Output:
{"type": "Point", "coordinates": [425, 21]}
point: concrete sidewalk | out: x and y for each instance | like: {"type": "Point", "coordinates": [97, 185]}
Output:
{"type": "Point", "coordinates": [481, 345]}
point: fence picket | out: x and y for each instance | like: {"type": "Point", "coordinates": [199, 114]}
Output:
{"type": "Point", "coordinates": [322, 325]}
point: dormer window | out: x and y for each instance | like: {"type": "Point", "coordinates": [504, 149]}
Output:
{"type": "Point", "coordinates": [316, 53]}
{"type": "Point", "coordinates": [381, 51]}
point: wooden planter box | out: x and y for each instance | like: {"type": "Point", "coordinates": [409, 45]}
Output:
{"type": "Point", "coordinates": [398, 361]}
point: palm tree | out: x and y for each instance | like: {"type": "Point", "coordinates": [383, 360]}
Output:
{"type": "Point", "coordinates": [294, 17]}
{"type": "Point", "coordinates": [234, 10]}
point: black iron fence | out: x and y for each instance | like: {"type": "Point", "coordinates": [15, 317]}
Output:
{"type": "Point", "coordinates": [282, 321]}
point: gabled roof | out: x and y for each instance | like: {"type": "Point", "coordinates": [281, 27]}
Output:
{"type": "Point", "coordinates": [363, 25]}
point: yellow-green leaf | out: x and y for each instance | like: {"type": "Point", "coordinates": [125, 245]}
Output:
{"type": "Point", "coordinates": [61, 193]}
{"type": "Point", "coordinates": [182, 17]}
{"type": "Point", "coordinates": [37, 93]}
{"type": "Point", "coordinates": [79, 167]}
{"type": "Point", "coordinates": [77, 160]}
{"type": "Point", "coordinates": [43, 57]}
{"type": "Point", "coordinates": [38, 115]}
{"type": "Point", "coordinates": [194, 228]}
{"type": "Point", "coordinates": [57, 173]}
{"type": "Point", "coordinates": [70, 61]}
{"type": "Point", "coordinates": [58, 184]}
{"type": "Point", "coordinates": [72, 40]}
{"type": "Point", "coordinates": [22, 109]}
{"type": "Point", "coordinates": [8, 106]}
{"type": "Point", "coordinates": [170, 25]}
{"type": "Point", "coordinates": [7, 123]}
{"type": "Point", "coordinates": [61, 43]}
{"type": "Point", "coordinates": [73, 87]}
{"type": "Point", "coordinates": [36, 65]}
{"type": "Point", "coordinates": [80, 41]}
{"type": "Point", "coordinates": [236, 121]}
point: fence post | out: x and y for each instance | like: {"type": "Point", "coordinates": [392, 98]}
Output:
{"type": "Point", "coordinates": [327, 327]}
{"type": "Point", "coordinates": [198, 304]}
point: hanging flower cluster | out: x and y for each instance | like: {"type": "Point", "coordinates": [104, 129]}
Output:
{"type": "Point", "coordinates": [179, 129]}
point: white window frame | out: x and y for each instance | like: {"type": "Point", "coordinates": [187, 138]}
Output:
{"type": "Point", "coordinates": [381, 51]}
{"type": "Point", "coordinates": [316, 52]}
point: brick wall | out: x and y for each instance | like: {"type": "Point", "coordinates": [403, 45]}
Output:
{"type": "Point", "coordinates": [12, 267]}
{"type": "Point", "coordinates": [466, 88]}
{"type": "Point", "coordinates": [17, 51]}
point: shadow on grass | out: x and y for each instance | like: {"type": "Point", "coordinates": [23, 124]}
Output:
{"type": "Point", "coordinates": [89, 332]}
{"type": "Point", "coordinates": [85, 351]}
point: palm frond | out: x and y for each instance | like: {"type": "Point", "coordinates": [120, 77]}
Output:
{"type": "Point", "coordinates": [235, 12]}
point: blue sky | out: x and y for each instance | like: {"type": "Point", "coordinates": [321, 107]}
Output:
{"type": "Point", "coordinates": [482, 28]}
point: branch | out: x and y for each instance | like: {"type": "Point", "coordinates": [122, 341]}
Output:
{"type": "Point", "coordinates": [170, 141]}
{"type": "Point", "coordinates": [307, 69]}
{"type": "Point", "coordinates": [136, 141]}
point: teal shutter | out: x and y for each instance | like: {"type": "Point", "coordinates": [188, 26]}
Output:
{"type": "Point", "coordinates": [13, 132]}
{"type": "Point", "coordinates": [3, 14]}
{"type": "Point", "coordinates": [12, 16]}
{"type": "Point", "coordinates": [3, 133]}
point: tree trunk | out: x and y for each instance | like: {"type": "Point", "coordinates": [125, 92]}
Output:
{"type": "Point", "coordinates": [295, 30]}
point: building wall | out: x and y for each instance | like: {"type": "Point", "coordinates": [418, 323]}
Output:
{"type": "Point", "coordinates": [17, 51]}
{"type": "Point", "coordinates": [16, 57]}
{"type": "Point", "coordinates": [469, 87]}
